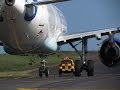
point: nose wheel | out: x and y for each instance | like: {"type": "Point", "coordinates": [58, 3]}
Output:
{"type": "Point", "coordinates": [43, 71]}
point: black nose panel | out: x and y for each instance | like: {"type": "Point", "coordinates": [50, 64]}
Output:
{"type": "Point", "coordinates": [10, 2]}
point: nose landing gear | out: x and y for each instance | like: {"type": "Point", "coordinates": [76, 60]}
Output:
{"type": "Point", "coordinates": [43, 69]}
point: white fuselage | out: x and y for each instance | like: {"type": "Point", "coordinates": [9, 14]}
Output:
{"type": "Point", "coordinates": [33, 29]}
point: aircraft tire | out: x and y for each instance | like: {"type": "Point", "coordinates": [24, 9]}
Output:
{"type": "Point", "coordinates": [40, 72]}
{"type": "Point", "coordinates": [46, 72]}
{"type": "Point", "coordinates": [78, 68]}
{"type": "Point", "coordinates": [90, 68]}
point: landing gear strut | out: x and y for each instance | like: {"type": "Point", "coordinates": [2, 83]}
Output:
{"type": "Point", "coordinates": [43, 69]}
{"type": "Point", "coordinates": [82, 63]}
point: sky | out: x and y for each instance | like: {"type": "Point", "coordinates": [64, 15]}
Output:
{"type": "Point", "coordinates": [88, 15]}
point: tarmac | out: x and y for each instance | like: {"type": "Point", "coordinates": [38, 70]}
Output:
{"type": "Point", "coordinates": [105, 79]}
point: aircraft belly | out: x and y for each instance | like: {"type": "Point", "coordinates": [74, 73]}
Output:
{"type": "Point", "coordinates": [3, 33]}
{"type": "Point", "coordinates": [24, 36]}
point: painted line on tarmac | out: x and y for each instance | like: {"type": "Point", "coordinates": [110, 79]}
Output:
{"type": "Point", "coordinates": [27, 89]}
{"type": "Point", "coordinates": [60, 89]}
{"type": "Point", "coordinates": [32, 89]}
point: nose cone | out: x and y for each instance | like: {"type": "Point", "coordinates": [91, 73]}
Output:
{"type": "Point", "coordinates": [9, 2]}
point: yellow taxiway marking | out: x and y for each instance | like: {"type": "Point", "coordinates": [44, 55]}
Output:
{"type": "Point", "coordinates": [31, 89]}
{"type": "Point", "coordinates": [27, 89]}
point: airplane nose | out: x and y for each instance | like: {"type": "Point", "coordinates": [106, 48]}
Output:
{"type": "Point", "coordinates": [10, 2]}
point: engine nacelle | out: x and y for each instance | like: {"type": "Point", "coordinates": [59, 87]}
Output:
{"type": "Point", "coordinates": [110, 53]}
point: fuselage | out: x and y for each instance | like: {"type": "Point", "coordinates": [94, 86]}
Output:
{"type": "Point", "coordinates": [33, 29]}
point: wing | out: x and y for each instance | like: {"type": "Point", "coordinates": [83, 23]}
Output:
{"type": "Point", "coordinates": [93, 34]}
{"type": "Point", "coordinates": [44, 2]}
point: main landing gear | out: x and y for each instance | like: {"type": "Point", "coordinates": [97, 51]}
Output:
{"type": "Point", "coordinates": [43, 69]}
{"type": "Point", "coordinates": [83, 64]}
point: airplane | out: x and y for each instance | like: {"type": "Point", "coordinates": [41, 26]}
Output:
{"type": "Point", "coordinates": [39, 27]}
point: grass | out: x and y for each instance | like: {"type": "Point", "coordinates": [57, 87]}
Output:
{"type": "Point", "coordinates": [16, 63]}
{"type": "Point", "coordinates": [20, 63]}
{"type": "Point", "coordinates": [12, 66]}
{"type": "Point", "coordinates": [18, 66]}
